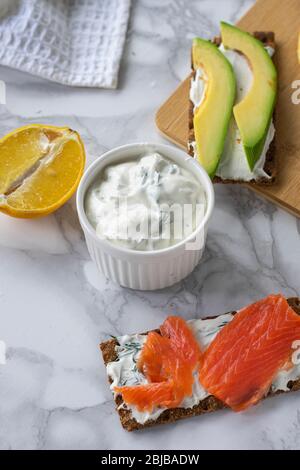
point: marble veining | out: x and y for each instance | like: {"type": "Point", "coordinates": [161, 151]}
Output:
{"type": "Point", "coordinates": [55, 307]}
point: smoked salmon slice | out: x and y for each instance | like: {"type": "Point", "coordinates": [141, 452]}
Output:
{"type": "Point", "coordinates": [186, 351]}
{"type": "Point", "coordinates": [240, 363]}
{"type": "Point", "coordinates": [168, 361]}
{"type": "Point", "coordinates": [156, 358]}
{"type": "Point", "coordinates": [182, 339]}
{"type": "Point", "coordinates": [146, 397]}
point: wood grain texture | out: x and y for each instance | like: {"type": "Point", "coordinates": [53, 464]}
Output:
{"type": "Point", "coordinates": [282, 17]}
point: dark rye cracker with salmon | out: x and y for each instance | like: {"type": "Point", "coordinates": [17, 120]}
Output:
{"type": "Point", "coordinates": [208, 405]}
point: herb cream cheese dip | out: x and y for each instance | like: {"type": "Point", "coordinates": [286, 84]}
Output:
{"type": "Point", "coordinates": [149, 203]}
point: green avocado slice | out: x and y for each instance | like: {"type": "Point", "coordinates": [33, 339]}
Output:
{"type": "Point", "coordinates": [254, 113]}
{"type": "Point", "coordinates": [212, 117]}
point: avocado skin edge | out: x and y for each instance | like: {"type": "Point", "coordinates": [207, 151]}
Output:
{"type": "Point", "coordinates": [254, 153]}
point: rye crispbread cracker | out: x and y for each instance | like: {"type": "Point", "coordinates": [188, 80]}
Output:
{"type": "Point", "coordinates": [268, 39]}
{"type": "Point", "coordinates": [208, 405]}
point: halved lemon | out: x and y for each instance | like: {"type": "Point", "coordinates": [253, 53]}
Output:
{"type": "Point", "coordinates": [40, 169]}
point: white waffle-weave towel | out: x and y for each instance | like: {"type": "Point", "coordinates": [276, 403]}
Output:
{"type": "Point", "coordinates": [74, 42]}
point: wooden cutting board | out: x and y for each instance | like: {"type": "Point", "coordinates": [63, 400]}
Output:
{"type": "Point", "coordinates": [282, 17]}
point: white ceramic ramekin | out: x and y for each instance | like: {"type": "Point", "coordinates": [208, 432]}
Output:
{"type": "Point", "coordinates": [144, 270]}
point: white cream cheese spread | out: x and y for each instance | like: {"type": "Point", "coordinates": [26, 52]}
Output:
{"type": "Point", "coordinates": [145, 204]}
{"type": "Point", "coordinates": [233, 163]}
{"type": "Point", "coordinates": [124, 370]}
{"type": "Point", "coordinates": [197, 90]}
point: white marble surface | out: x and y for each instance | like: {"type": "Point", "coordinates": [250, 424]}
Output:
{"type": "Point", "coordinates": [55, 308]}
